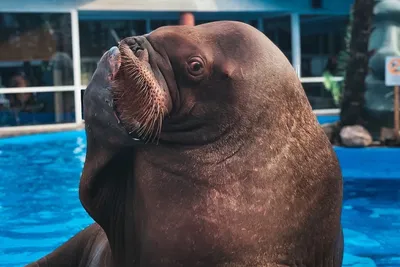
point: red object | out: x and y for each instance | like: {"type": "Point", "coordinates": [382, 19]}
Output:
{"type": "Point", "coordinates": [187, 19]}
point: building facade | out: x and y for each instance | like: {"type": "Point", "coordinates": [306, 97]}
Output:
{"type": "Point", "coordinates": [50, 48]}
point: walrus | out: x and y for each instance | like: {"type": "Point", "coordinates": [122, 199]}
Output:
{"type": "Point", "coordinates": [203, 150]}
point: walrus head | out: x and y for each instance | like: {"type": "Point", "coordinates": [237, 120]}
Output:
{"type": "Point", "coordinates": [179, 98]}
{"type": "Point", "coordinates": [181, 84]}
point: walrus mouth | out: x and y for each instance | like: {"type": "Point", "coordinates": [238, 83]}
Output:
{"type": "Point", "coordinates": [139, 101]}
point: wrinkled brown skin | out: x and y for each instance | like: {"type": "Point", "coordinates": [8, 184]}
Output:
{"type": "Point", "coordinates": [242, 175]}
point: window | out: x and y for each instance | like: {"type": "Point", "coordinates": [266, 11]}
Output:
{"type": "Point", "coordinates": [322, 38]}
{"type": "Point", "coordinates": [36, 52]}
{"type": "Point", "coordinates": [318, 96]}
{"type": "Point", "coordinates": [278, 30]}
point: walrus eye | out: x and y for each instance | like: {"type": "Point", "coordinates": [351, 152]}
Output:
{"type": "Point", "coordinates": [196, 67]}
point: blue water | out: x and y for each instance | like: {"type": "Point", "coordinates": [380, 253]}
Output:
{"type": "Point", "coordinates": [40, 208]}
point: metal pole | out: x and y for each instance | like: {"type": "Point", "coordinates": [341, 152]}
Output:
{"type": "Point", "coordinates": [396, 113]}
{"type": "Point", "coordinates": [76, 55]}
{"type": "Point", "coordinates": [148, 26]}
{"type": "Point", "coordinates": [296, 42]}
{"type": "Point", "coordinates": [260, 24]}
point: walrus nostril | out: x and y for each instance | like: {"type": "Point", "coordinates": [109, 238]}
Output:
{"type": "Point", "coordinates": [135, 47]}
{"type": "Point", "coordinates": [139, 52]}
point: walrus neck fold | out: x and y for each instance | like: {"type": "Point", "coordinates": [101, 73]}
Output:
{"type": "Point", "coordinates": [106, 192]}
{"type": "Point", "coordinates": [107, 169]}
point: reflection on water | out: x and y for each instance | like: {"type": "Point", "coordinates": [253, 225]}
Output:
{"type": "Point", "coordinates": [40, 208]}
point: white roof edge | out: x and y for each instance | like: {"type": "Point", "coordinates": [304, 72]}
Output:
{"type": "Point", "coordinates": [35, 9]}
{"type": "Point", "coordinates": [129, 5]}
{"type": "Point", "coordinates": [181, 5]}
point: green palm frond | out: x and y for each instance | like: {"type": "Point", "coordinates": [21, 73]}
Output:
{"type": "Point", "coordinates": [336, 88]}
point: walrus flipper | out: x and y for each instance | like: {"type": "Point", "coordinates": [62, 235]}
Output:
{"type": "Point", "coordinates": [87, 248]}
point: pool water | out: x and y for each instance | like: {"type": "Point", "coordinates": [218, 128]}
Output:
{"type": "Point", "coordinates": [40, 208]}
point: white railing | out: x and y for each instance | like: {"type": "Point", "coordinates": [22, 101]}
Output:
{"type": "Point", "coordinates": [76, 56]}
{"type": "Point", "coordinates": [327, 112]}
{"type": "Point", "coordinates": [29, 129]}
{"type": "Point", "coordinates": [32, 129]}
{"type": "Point", "coordinates": [38, 89]}
{"type": "Point", "coordinates": [318, 79]}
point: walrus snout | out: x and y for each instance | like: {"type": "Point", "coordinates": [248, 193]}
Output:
{"type": "Point", "coordinates": [141, 101]}
{"type": "Point", "coordinates": [114, 58]}
{"type": "Point", "coordinates": [98, 103]}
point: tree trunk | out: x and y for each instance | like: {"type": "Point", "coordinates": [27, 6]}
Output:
{"type": "Point", "coordinates": [352, 104]}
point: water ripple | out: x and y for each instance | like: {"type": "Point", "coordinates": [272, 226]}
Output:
{"type": "Point", "coordinates": [39, 201]}
{"type": "Point", "coordinates": [40, 207]}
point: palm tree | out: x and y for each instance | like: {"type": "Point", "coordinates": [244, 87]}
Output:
{"type": "Point", "coordinates": [352, 102]}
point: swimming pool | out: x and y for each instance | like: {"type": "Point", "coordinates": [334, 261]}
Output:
{"type": "Point", "coordinates": [40, 209]}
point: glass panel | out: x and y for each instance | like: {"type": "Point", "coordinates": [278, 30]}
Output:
{"type": "Point", "coordinates": [37, 46]}
{"type": "Point", "coordinates": [322, 38]}
{"type": "Point", "coordinates": [36, 108]}
{"type": "Point", "coordinates": [154, 24]}
{"type": "Point", "coordinates": [96, 37]}
{"type": "Point", "coordinates": [278, 29]}
{"type": "Point", "coordinates": [318, 96]}
{"type": "Point", "coordinates": [253, 23]}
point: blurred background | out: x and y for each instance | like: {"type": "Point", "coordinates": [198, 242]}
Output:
{"type": "Point", "coordinates": [49, 49]}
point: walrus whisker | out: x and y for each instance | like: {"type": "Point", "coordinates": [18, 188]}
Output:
{"type": "Point", "coordinates": [145, 115]}
{"type": "Point", "coordinates": [138, 96]}
{"type": "Point", "coordinates": [159, 125]}
{"type": "Point", "coordinates": [152, 124]}
{"type": "Point", "coordinates": [156, 110]}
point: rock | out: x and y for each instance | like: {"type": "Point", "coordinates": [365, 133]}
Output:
{"type": "Point", "coordinates": [355, 136]}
